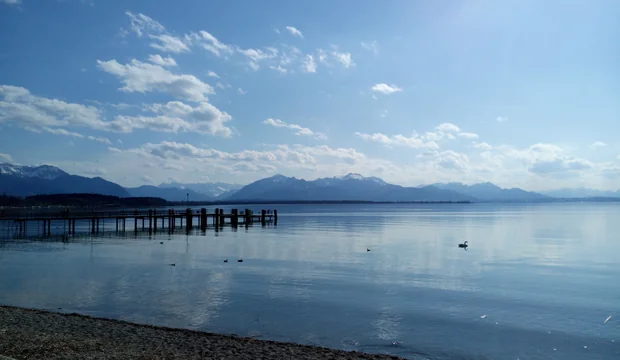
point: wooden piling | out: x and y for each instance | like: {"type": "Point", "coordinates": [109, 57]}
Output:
{"type": "Point", "coordinates": [235, 217]}
{"type": "Point", "coordinates": [203, 219]}
{"type": "Point", "coordinates": [263, 216]}
{"type": "Point", "coordinates": [275, 217]}
{"type": "Point", "coordinates": [188, 220]}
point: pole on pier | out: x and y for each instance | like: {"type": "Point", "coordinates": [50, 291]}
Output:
{"type": "Point", "coordinates": [73, 227]}
{"type": "Point", "coordinates": [135, 220]}
{"type": "Point", "coordinates": [154, 220]}
{"type": "Point", "coordinates": [216, 218]}
{"type": "Point", "coordinates": [92, 225]}
{"type": "Point", "coordinates": [150, 219]}
{"type": "Point", "coordinates": [275, 217]}
{"type": "Point", "coordinates": [203, 219]}
{"type": "Point", "coordinates": [263, 216]}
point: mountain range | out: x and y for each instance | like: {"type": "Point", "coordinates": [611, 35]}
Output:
{"type": "Point", "coordinates": [347, 188]}
{"type": "Point", "coordinates": [18, 180]}
{"type": "Point", "coordinates": [23, 181]}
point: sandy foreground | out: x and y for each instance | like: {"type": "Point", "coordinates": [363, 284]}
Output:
{"type": "Point", "coordinates": [35, 334]}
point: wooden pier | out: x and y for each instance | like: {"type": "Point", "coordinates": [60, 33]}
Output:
{"type": "Point", "coordinates": [152, 220]}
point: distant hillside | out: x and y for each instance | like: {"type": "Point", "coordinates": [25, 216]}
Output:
{"type": "Point", "coordinates": [18, 180]}
{"type": "Point", "coordinates": [80, 200]}
{"type": "Point", "coordinates": [491, 192]}
{"type": "Point", "coordinates": [210, 190]}
{"type": "Point", "coordinates": [352, 187]}
{"type": "Point", "coordinates": [169, 194]}
{"type": "Point", "coordinates": [582, 193]}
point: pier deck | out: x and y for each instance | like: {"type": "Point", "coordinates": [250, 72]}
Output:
{"type": "Point", "coordinates": [143, 220]}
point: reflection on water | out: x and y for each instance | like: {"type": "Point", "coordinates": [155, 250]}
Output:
{"type": "Point", "coordinates": [537, 281]}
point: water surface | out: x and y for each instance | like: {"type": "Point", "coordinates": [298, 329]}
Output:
{"type": "Point", "coordinates": [537, 282]}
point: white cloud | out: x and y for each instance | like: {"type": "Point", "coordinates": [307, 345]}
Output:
{"type": "Point", "coordinates": [17, 105]}
{"type": "Point", "coordinates": [162, 61]}
{"type": "Point", "coordinates": [309, 65]}
{"type": "Point", "coordinates": [40, 114]}
{"type": "Point", "coordinates": [143, 77]}
{"type": "Point", "coordinates": [94, 171]}
{"type": "Point", "coordinates": [176, 116]}
{"type": "Point", "coordinates": [298, 130]}
{"type": "Point", "coordinates": [213, 74]}
{"type": "Point", "coordinates": [343, 58]}
{"type": "Point", "coordinates": [483, 146]}
{"type": "Point", "coordinates": [211, 43]}
{"type": "Point", "coordinates": [598, 145]}
{"type": "Point", "coordinates": [370, 46]}
{"type": "Point", "coordinates": [294, 31]}
{"type": "Point", "coordinates": [501, 119]}
{"type": "Point", "coordinates": [468, 135]}
{"type": "Point", "coordinates": [414, 141]}
{"type": "Point", "coordinates": [385, 88]}
{"type": "Point", "coordinates": [254, 66]}
{"type": "Point", "coordinates": [65, 132]}
{"type": "Point", "coordinates": [241, 91]}
{"type": "Point", "coordinates": [278, 68]}
{"type": "Point", "coordinates": [448, 128]}
{"type": "Point", "coordinates": [147, 179]}
{"type": "Point", "coordinates": [141, 24]}
{"type": "Point", "coordinates": [5, 158]}
{"type": "Point", "coordinates": [169, 43]}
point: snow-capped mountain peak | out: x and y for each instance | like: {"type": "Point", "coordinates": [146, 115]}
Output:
{"type": "Point", "coordinates": [46, 172]}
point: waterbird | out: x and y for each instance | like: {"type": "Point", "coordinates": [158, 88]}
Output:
{"type": "Point", "coordinates": [225, 260]}
{"type": "Point", "coordinates": [240, 260]}
{"type": "Point", "coordinates": [161, 242]}
{"type": "Point", "coordinates": [464, 245]}
{"type": "Point", "coordinates": [173, 264]}
{"type": "Point", "coordinates": [367, 250]}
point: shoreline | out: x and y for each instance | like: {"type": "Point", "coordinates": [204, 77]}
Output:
{"type": "Point", "coordinates": [39, 334]}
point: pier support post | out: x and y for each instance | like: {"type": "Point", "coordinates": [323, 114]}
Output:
{"type": "Point", "coordinates": [154, 220]}
{"type": "Point", "coordinates": [73, 227]}
{"type": "Point", "coordinates": [188, 221]}
{"type": "Point", "coordinates": [263, 216]}
{"type": "Point", "coordinates": [150, 219]}
{"type": "Point", "coordinates": [216, 218]}
{"type": "Point", "coordinates": [203, 219]}
{"type": "Point", "coordinates": [235, 217]}
{"type": "Point", "coordinates": [135, 220]}
{"type": "Point", "coordinates": [275, 217]}
{"type": "Point", "coordinates": [92, 225]}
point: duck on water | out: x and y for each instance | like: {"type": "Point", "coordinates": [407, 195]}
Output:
{"type": "Point", "coordinates": [464, 245]}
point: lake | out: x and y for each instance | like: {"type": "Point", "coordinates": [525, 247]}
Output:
{"type": "Point", "coordinates": [537, 281]}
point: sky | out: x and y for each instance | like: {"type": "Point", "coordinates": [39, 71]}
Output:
{"type": "Point", "coordinates": [518, 93]}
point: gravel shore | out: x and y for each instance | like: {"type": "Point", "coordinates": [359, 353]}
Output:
{"type": "Point", "coordinates": [36, 334]}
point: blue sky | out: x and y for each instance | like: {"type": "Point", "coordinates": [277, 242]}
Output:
{"type": "Point", "coordinates": [520, 93]}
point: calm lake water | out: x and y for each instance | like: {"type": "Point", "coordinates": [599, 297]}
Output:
{"type": "Point", "coordinates": [537, 282]}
